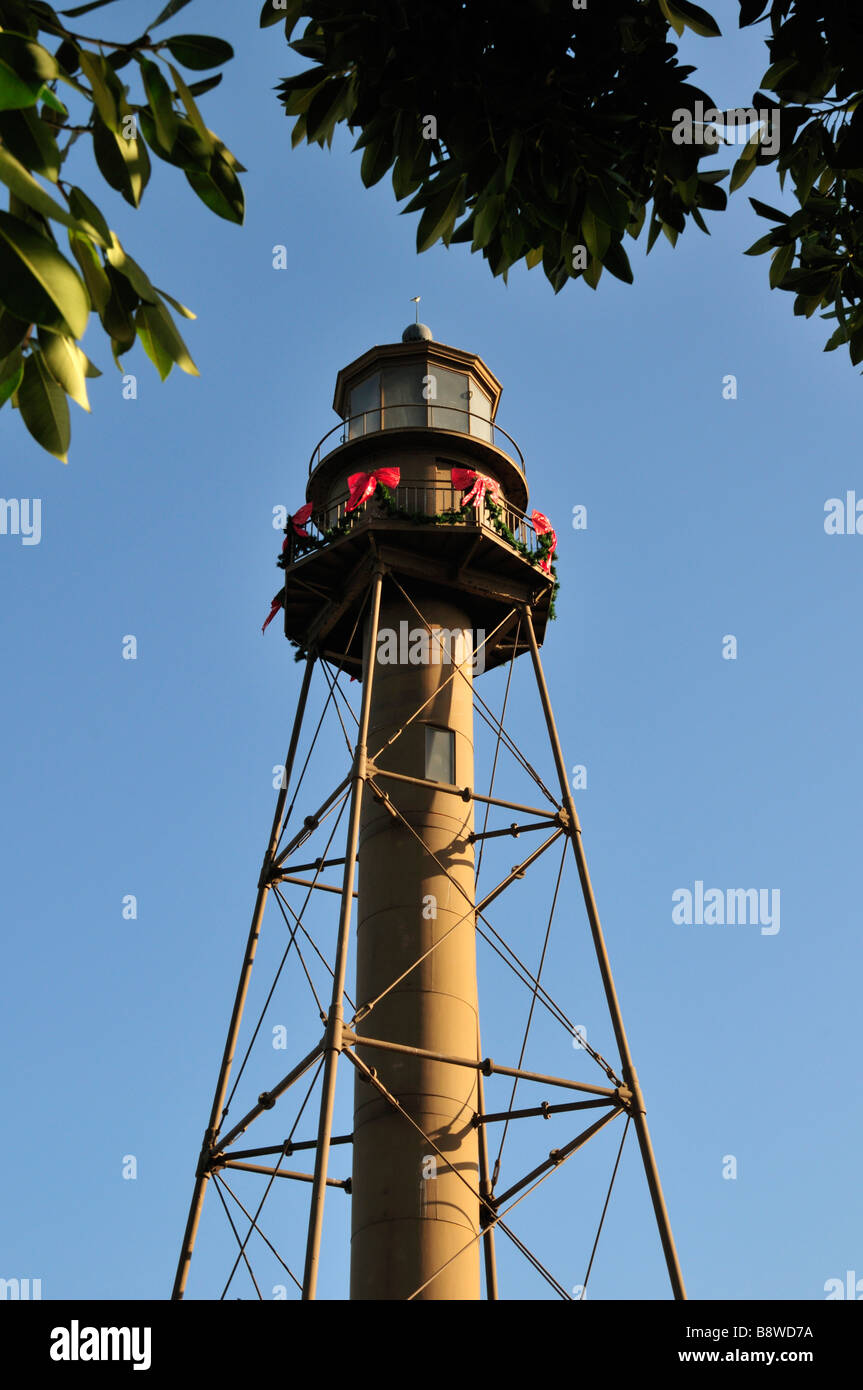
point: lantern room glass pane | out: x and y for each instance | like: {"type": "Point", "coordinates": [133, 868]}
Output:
{"type": "Point", "coordinates": [403, 399]}
{"type": "Point", "coordinates": [480, 413]}
{"type": "Point", "coordinates": [366, 404]}
{"type": "Point", "coordinates": [440, 755]}
{"type": "Point", "coordinates": [449, 399]}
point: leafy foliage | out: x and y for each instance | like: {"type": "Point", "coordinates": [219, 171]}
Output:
{"type": "Point", "coordinates": [47, 296]}
{"type": "Point", "coordinates": [816, 78]}
{"type": "Point", "coordinates": [548, 133]}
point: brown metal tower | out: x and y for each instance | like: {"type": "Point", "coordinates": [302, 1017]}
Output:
{"type": "Point", "coordinates": [414, 568]}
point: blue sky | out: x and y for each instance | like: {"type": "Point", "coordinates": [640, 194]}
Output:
{"type": "Point", "coordinates": [153, 777]}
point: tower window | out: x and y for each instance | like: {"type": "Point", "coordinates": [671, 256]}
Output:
{"type": "Point", "coordinates": [440, 755]}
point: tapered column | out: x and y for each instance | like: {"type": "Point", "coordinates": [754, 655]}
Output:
{"type": "Point", "coordinates": [411, 1213]}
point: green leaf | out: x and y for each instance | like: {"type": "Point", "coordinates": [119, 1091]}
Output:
{"type": "Point", "coordinates": [592, 272]}
{"type": "Point", "coordinates": [66, 363]}
{"type": "Point", "coordinates": [440, 215]}
{"type": "Point", "coordinates": [772, 78]}
{"type": "Point", "coordinates": [463, 232]}
{"type": "Point", "coordinates": [87, 212]}
{"type": "Point", "coordinates": [273, 12]}
{"type": "Point", "coordinates": [93, 65]}
{"type": "Point", "coordinates": [744, 167]}
{"type": "Point", "coordinates": [764, 243]}
{"type": "Point", "coordinates": [681, 12]}
{"type": "Point", "coordinates": [514, 149]}
{"type": "Point", "coordinates": [809, 280]}
{"type": "Point", "coordinates": [117, 314]}
{"type": "Point", "coordinates": [15, 93]}
{"type": "Point", "coordinates": [25, 187]}
{"type": "Point", "coordinates": [206, 84]}
{"type": "Point", "coordinates": [188, 152]}
{"type": "Point", "coordinates": [123, 263]}
{"type": "Point", "coordinates": [37, 283]}
{"type": "Point", "coordinates": [175, 304]}
{"type": "Point", "coordinates": [607, 205]}
{"type": "Point", "coordinates": [67, 56]}
{"type": "Point", "coordinates": [192, 111]}
{"type": "Point", "coordinates": [30, 139]}
{"type": "Point", "coordinates": [161, 104]}
{"type": "Point", "coordinates": [156, 328]}
{"type": "Point", "coordinates": [837, 338]}
{"type": "Point", "coordinates": [85, 9]}
{"type": "Point", "coordinates": [173, 7]}
{"type": "Point", "coordinates": [377, 158]}
{"type": "Point", "coordinates": [327, 108]}
{"type": "Point", "coordinates": [229, 158]}
{"type": "Point", "coordinates": [765, 210]}
{"type": "Point", "coordinates": [13, 331]}
{"type": "Point", "coordinates": [486, 218]}
{"type": "Point", "coordinates": [636, 221]}
{"type": "Point", "coordinates": [199, 51]}
{"type": "Point", "coordinates": [124, 164]}
{"type": "Point", "coordinates": [219, 189]}
{"type": "Point", "coordinates": [11, 373]}
{"type": "Point", "coordinates": [44, 408]}
{"type": "Point", "coordinates": [597, 235]}
{"type": "Point", "coordinates": [30, 62]}
{"type": "Point", "coordinates": [298, 133]}
{"type": "Point", "coordinates": [95, 278]}
{"type": "Point", "coordinates": [616, 262]}
{"type": "Point", "coordinates": [50, 98]}
{"type": "Point", "coordinates": [152, 345]}
{"type": "Point", "coordinates": [404, 180]}
{"type": "Point", "coordinates": [781, 264]}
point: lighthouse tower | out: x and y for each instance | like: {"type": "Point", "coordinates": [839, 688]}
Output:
{"type": "Point", "coordinates": [414, 567]}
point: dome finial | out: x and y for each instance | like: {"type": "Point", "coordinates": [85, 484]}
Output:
{"type": "Point", "coordinates": [417, 332]}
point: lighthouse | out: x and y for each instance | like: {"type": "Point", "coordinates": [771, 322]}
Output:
{"type": "Point", "coordinates": [414, 566]}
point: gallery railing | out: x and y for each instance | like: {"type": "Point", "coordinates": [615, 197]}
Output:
{"type": "Point", "coordinates": [439, 504]}
{"type": "Point", "coordinates": [431, 416]}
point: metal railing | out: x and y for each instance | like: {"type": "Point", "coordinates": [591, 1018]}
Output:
{"type": "Point", "coordinates": [426, 416]}
{"type": "Point", "coordinates": [418, 500]}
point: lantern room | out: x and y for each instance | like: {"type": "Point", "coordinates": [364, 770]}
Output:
{"type": "Point", "coordinates": [425, 408]}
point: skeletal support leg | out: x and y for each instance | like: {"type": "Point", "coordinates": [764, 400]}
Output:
{"type": "Point", "coordinates": [335, 1020]}
{"type": "Point", "coordinates": [202, 1173]}
{"type": "Point", "coordinates": [488, 1249]}
{"type": "Point", "coordinates": [629, 1074]}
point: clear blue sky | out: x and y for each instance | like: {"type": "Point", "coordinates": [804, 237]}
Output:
{"type": "Point", "coordinates": [153, 777]}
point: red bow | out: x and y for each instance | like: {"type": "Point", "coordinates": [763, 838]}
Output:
{"type": "Point", "coordinates": [278, 602]}
{"type": "Point", "coordinates": [462, 478]}
{"type": "Point", "coordinates": [299, 519]}
{"type": "Point", "coordinates": [296, 521]}
{"type": "Point", "coordinates": [543, 527]}
{"type": "Point", "coordinates": [362, 485]}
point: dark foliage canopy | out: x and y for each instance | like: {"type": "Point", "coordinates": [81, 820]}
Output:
{"type": "Point", "coordinates": [546, 132]}
{"type": "Point", "coordinates": [550, 132]}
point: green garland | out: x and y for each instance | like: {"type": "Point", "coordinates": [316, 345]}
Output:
{"type": "Point", "coordinates": [455, 516]}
